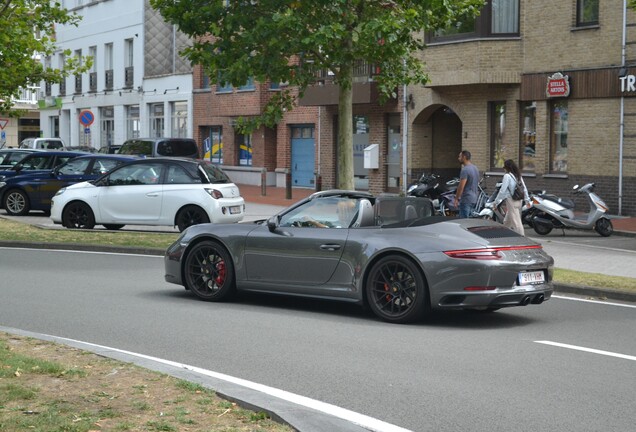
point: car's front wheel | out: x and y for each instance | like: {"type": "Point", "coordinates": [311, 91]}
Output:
{"type": "Point", "coordinates": [16, 202]}
{"type": "Point", "coordinates": [191, 215]}
{"type": "Point", "coordinates": [209, 272]}
{"type": "Point", "coordinates": [78, 215]}
{"type": "Point", "coordinates": [396, 290]}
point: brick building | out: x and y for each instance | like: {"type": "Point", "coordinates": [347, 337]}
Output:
{"type": "Point", "coordinates": [544, 83]}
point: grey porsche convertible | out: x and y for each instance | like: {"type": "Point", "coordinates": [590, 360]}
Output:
{"type": "Point", "coordinates": [389, 253]}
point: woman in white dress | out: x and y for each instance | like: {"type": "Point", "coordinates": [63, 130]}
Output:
{"type": "Point", "coordinates": [509, 183]}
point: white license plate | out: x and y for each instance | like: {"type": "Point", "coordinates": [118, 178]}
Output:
{"type": "Point", "coordinates": [529, 278]}
{"type": "Point", "coordinates": [235, 209]}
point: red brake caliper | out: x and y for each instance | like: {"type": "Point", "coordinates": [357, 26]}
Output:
{"type": "Point", "coordinates": [220, 268]}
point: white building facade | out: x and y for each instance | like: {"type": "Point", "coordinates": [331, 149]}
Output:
{"type": "Point", "coordinates": [138, 85]}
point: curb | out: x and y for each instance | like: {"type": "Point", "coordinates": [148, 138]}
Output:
{"type": "Point", "coordinates": [600, 293]}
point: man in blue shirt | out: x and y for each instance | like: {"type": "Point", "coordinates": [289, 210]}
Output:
{"type": "Point", "coordinates": [467, 194]}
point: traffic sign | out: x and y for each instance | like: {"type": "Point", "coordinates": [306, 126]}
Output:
{"type": "Point", "coordinates": [3, 123]}
{"type": "Point", "coordinates": [86, 118]}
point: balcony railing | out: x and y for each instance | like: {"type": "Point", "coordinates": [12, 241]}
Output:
{"type": "Point", "coordinates": [92, 82]}
{"type": "Point", "coordinates": [362, 71]}
{"type": "Point", "coordinates": [129, 76]}
{"type": "Point", "coordinates": [108, 82]}
{"type": "Point", "coordinates": [28, 95]}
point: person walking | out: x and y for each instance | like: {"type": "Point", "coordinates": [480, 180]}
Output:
{"type": "Point", "coordinates": [467, 194]}
{"type": "Point", "coordinates": [513, 191]}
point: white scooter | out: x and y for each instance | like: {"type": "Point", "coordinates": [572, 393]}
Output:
{"type": "Point", "coordinates": [551, 212]}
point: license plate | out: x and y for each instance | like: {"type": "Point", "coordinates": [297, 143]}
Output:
{"type": "Point", "coordinates": [235, 209]}
{"type": "Point", "coordinates": [529, 278]}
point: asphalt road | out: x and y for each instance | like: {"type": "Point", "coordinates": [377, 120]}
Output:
{"type": "Point", "coordinates": [565, 365]}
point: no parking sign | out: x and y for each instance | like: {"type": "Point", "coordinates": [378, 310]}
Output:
{"type": "Point", "coordinates": [86, 118]}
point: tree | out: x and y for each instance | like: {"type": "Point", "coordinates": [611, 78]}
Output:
{"type": "Point", "coordinates": [290, 40]}
{"type": "Point", "coordinates": [26, 29]}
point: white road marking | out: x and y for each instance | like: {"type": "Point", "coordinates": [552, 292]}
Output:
{"type": "Point", "coordinates": [603, 302]}
{"type": "Point", "coordinates": [590, 350]}
{"type": "Point", "coordinates": [362, 420]}
{"type": "Point", "coordinates": [83, 252]}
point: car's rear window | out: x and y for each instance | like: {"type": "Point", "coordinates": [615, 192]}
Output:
{"type": "Point", "coordinates": [178, 148]}
{"type": "Point", "coordinates": [137, 147]}
{"type": "Point", "coordinates": [214, 173]}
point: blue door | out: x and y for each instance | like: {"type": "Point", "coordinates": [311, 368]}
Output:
{"type": "Point", "coordinates": [302, 156]}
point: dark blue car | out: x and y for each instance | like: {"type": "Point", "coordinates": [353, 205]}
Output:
{"type": "Point", "coordinates": [33, 191]}
{"type": "Point", "coordinates": [39, 162]}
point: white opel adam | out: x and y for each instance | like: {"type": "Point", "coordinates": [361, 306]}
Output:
{"type": "Point", "coordinates": [158, 191]}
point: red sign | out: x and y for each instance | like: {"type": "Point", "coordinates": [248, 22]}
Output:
{"type": "Point", "coordinates": [558, 86]}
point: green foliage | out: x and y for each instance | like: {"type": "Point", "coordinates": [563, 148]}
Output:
{"type": "Point", "coordinates": [27, 29]}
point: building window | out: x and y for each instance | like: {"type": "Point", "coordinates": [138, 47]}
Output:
{"type": "Point", "coordinates": [587, 12]}
{"type": "Point", "coordinates": [497, 18]}
{"type": "Point", "coordinates": [528, 136]}
{"type": "Point", "coordinates": [245, 149]}
{"type": "Point", "coordinates": [498, 149]}
{"type": "Point", "coordinates": [108, 66]}
{"type": "Point", "coordinates": [559, 137]}
{"type": "Point", "coordinates": [133, 123]}
{"type": "Point", "coordinates": [222, 86]}
{"type": "Point", "coordinates": [249, 85]}
{"type": "Point", "coordinates": [129, 65]}
{"type": "Point", "coordinates": [156, 120]}
{"type": "Point", "coordinates": [107, 124]}
{"type": "Point", "coordinates": [179, 119]}
{"type": "Point", "coordinates": [213, 145]}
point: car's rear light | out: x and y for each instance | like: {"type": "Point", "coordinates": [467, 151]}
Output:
{"type": "Point", "coordinates": [486, 253]}
{"type": "Point", "coordinates": [215, 193]}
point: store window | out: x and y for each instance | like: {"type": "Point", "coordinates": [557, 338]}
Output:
{"type": "Point", "coordinates": [213, 144]}
{"type": "Point", "coordinates": [133, 124]}
{"type": "Point", "coordinates": [156, 120]}
{"type": "Point", "coordinates": [587, 12]}
{"type": "Point", "coordinates": [179, 119]}
{"type": "Point", "coordinates": [559, 137]}
{"type": "Point", "coordinates": [360, 142]}
{"type": "Point", "coordinates": [245, 149]}
{"type": "Point", "coordinates": [528, 136]}
{"type": "Point", "coordinates": [498, 148]}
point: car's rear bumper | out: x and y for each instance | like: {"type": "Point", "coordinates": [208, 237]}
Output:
{"type": "Point", "coordinates": [497, 298]}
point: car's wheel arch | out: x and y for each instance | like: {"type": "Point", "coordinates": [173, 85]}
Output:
{"type": "Point", "coordinates": [78, 201]}
{"type": "Point", "coordinates": [371, 262]}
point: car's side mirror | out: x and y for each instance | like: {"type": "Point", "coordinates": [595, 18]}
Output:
{"type": "Point", "coordinates": [272, 223]}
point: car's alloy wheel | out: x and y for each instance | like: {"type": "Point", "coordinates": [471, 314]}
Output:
{"type": "Point", "coordinates": [191, 215]}
{"type": "Point", "coordinates": [113, 227]}
{"type": "Point", "coordinates": [209, 272]}
{"type": "Point", "coordinates": [78, 215]}
{"type": "Point", "coordinates": [604, 227]}
{"type": "Point", "coordinates": [16, 203]}
{"type": "Point", "coordinates": [396, 290]}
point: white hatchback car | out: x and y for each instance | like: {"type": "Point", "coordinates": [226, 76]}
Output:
{"type": "Point", "coordinates": [159, 191]}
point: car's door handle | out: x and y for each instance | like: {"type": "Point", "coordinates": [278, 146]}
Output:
{"type": "Point", "coordinates": [330, 247]}
{"type": "Point", "coordinates": [152, 194]}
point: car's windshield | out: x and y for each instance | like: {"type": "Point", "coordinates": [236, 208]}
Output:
{"type": "Point", "coordinates": [214, 173]}
{"type": "Point", "coordinates": [329, 212]}
{"type": "Point", "coordinates": [137, 147]}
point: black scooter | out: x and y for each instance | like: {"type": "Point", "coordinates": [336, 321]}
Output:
{"type": "Point", "coordinates": [431, 186]}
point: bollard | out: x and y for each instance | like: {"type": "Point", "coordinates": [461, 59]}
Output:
{"type": "Point", "coordinates": [288, 185]}
{"type": "Point", "coordinates": [264, 182]}
{"type": "Point", "coordinates": [318, 183]}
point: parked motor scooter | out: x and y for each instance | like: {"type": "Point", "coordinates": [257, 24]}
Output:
{"type": "Point", "coordinates": [489, 210]}
{"type": "Point", "coordinates": [430, 186]}
{"type": "Point", "coordinates": [552, 212]}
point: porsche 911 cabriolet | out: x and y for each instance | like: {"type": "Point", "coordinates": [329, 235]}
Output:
{"type": "Point", "coordinates": [390, 253]}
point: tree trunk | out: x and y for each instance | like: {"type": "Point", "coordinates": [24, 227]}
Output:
{"type": "Point", "coordinates": [345, 129]}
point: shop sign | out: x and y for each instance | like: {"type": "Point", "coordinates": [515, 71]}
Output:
{"type": "Point", "coordinates": [628, 83]}
{"type": "Point", "coordinates": [558, 86]}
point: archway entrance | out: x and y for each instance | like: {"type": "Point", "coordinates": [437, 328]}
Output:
{"type": "Point", "coordinates": [436, 142]}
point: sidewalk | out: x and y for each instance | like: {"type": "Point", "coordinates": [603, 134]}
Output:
{"type": "Point", "coordinates": [278, 196]}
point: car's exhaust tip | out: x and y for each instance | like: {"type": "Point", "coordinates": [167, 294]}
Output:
{"type": "Point", "coordinates": [525, 301]}
{"type": "Point", "coordinates": [538, 299]}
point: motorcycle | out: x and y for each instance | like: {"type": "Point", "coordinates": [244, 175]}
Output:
{"type": "Point", "coordinates": [489, 210]}
{"type": "Point", "coordinates": [440, 193]}
{"type": "Point", "coordinates": [549, 212]}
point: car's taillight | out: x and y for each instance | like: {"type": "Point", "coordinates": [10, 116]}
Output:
{"type": "Point", "coordinates": [486, 253]}
{"type": "Point", "coordinates": [214, 193]}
